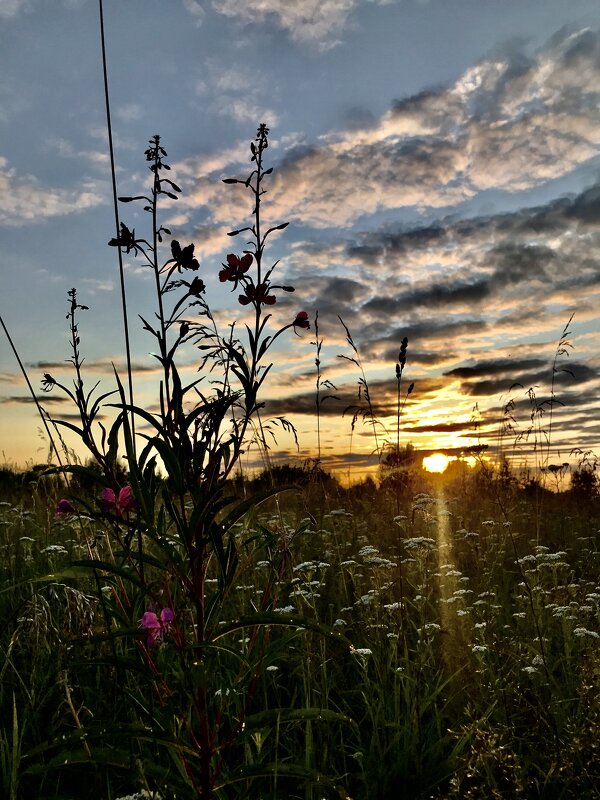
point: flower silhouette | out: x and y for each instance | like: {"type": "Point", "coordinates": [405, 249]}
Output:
{"type": "Point", "coordinates": [196, 287]}
{"type": "Point", "coordinates": [257, 295]}
{"type": "Point", "coordinates": [301, 320]}
{"type": "Point", "coordinates": [184, 257]}
{"type": "Point", "coordinates": [126, 239]}
{"type": "Point", "coordinates": [236, 268]}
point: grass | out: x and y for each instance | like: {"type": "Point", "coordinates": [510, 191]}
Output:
{"type": "Point", "coordinates": [416, 669]}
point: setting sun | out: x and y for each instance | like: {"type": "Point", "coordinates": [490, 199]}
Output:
{"type": "Point", "coordinates": [436, 462]}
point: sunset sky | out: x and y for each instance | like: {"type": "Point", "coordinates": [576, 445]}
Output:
{"type": "Point", "coordinates": [438, 162]}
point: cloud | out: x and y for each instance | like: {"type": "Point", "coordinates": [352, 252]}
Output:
{"type": "Point", "coordinates": [10, 8]}
{"type": "Point", "coordinates": [194, 8]}
{"type": "Point", "coordinates": [501, 366]}
{"type": "Point", "coordinates": [43, 399]}
{"type": "Point", "coordinates": [313, 22]}
{"type": "Point", "coordinates": [236, 91]}
{"type": "Point", "coordinates": [509, 124]}
{"type": "Point", "coordinates": [482, 301]}
{"type": "Point", "coordinates": [495, 265]}
{"type": "Point", "coordinates": [129, 112]}
{"type": "Point", "coordinates": [24, 200]}
{"type": "Point", "coordinates": [66, 149]}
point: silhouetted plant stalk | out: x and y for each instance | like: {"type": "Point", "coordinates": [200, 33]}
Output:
{"type": "Point", "coordinates": [562, 349]}
{"type": "Point", "coordinates": [320, 382]}
{"type": "Point", "coordinates": [183, 525]}
{"type": "Point", "coordinates": [365, 409]}
{"type": "Point", "coordinates": [541, 433]}
{"type": "Point", "coordinates": [399, 371]}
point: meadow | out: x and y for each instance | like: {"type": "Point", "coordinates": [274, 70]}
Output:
{"type": "Point", "coordinates": [447, 651]}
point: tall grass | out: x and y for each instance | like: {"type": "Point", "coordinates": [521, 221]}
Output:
{"type": "Point", "coordinates": [365, 691]}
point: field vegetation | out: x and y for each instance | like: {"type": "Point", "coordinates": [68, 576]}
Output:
{"type": "Point", "coordinates": [447, 651]}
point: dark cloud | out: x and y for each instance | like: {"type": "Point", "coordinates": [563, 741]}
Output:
{"type": "Point", "coordinates": [501, 366]}
{"type": "Point", "coordinates": [419, 357]}
{"type": "Point", "coordinates": [565, 377]}
{"type": "Point", "coordinates": [77, 419]}
{"type": "Point", "coordinates": [442, 427]}
{"type": "Point", "coordinates": [343, 290]}
{"type": "Point", "coordinates": [102, 365]}
{"type": "Point", "coordinates": [441, 294]}
{"type": "Point", "coordinates": [514, 262]}
{"type": "Point", "coordinates": [422, 330]}
{"type": "Point", "coordinates": [43, 400]}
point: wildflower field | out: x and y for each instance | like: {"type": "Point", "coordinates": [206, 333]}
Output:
{"type": "Point", "coordinates": [447, 651]}
{"type": "Point", "coordinates": [176, 629]}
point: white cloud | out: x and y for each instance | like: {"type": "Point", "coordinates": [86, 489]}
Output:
{"type": "Point", "coordinates": [10, 8]}
{"type": "Point", "coordinates": [504, 124]}
{"type": "Point", "coordinates": [66, 149]}
{"type": "Point", "coordinates": [237, 92]}
{"type": "Point", "coordinates": [317, 23]}
{"type": "Point", "coordinates": [130, 112]}
{"type": "Point", "coordinates": [194, 8]}
{"type": "Point", "coordinates": [307, 21]}
{"type": "Point", "coordinates": [93, 285]}
{"type": "Point", "coordinates": [23, 199]}
{"type": "Point", "coordinates": [507, 123]}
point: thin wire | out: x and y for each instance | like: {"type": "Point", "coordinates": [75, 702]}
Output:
{"type": "Point", "coordinates": [117, 222]}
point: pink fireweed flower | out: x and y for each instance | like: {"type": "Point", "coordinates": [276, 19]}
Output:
{"type": "Point", "coordinates": [236, 268]}
{"type": "Point", "coordinates": [301, 320]}
{"type": "Point", "coordinates": [119, 503]}
{"type": "Point", "coordinates": [258, 295]}
{"type": "Point", "coordinates": [64, 507]}
{"type": "Point", "coordinates": [157, 626]}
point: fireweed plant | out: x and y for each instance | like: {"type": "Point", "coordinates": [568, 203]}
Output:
{"type": "Point", "coordinates": [176, 544]}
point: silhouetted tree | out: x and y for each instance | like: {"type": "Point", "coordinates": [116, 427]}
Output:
{"type": "Point", "coordinates": [584, 483]}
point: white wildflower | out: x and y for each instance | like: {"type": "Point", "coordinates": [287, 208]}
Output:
{"type": "Point", "coordinates": [419, 543]}
{"type": "Point", "coordinates": [361, 651]}
{"type": "Point", "coordinates": [582, 632]}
